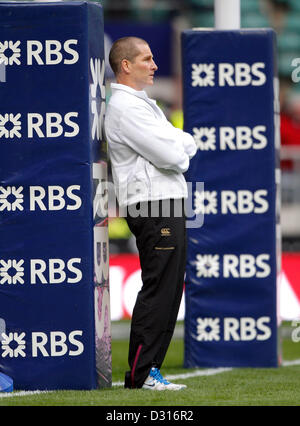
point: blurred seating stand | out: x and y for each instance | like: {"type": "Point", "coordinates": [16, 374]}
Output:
{"type": "Point", "coordinates": [283, 16]}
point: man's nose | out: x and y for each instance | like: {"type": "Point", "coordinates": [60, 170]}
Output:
{"type": "Point", "coordinates": [154, 66]}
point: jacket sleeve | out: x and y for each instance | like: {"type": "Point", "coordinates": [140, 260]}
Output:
{"type": "Point", "coordinates": [153, 139]}
{"type": "Point", "coordinates": [188, 141]}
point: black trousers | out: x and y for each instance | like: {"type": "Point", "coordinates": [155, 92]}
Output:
{"type": "Point", "coordinates": [161, 242]}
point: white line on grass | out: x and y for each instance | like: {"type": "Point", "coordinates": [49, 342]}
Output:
{"type": "Point", "coordinates": [290, 363]}
{"type": "Point", "coordinates": [22, 393]}
{"type": "Point", "coordinates": [208, 372]}
{"type": "Point", "coordinates": [197, 373]}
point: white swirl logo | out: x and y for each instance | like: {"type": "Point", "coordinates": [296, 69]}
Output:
{"type": "Point", "coordinates": [205, 202]}
{"type": "Point", "coordinates": [97, 70]}
{"type": "Point", "coordinates": [208, 329]}
{"type": "Point", "coordinates": [10, 126]}
{"type": "Point", "coordinates": [10, 52]}
{"type": "Point", "coordinates": [207, 265]}
{"type": "Point", "coordinates": [205, 138]}
{"type": "Point", "coordinates": [18, 345]}
{"type": "Point", "coordinates": [11, 198]}
{"type": "Point", "coordinates": [203, 75]}
{"type": "Point", "coordinates": [11, 271]}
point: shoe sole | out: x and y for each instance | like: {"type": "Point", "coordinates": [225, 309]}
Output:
{"type": "Point", "coordinates": [153, 388]}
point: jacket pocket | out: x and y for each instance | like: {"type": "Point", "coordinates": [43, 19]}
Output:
{"type": "Point", "coordinates": [138, 184]}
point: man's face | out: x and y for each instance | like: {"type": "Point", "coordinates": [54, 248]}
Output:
{"type": "Point", "coordinates": [143, 67]}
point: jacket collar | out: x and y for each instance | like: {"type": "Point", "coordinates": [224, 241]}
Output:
{"type": "Point", "coordinates": [139, 93]}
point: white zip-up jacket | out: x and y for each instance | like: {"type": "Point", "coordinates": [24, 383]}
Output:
{"type": "Point", "coordinates": [148, 154]}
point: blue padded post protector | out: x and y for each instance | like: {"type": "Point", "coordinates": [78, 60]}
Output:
{"type": "Point", "coordinates": [6, 383]}
{"type": "Point", "coordinates": [231, 108]}
{"type": "Point", "coordinates": [54, 296]}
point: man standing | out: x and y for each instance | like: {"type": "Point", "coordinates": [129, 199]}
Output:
{"type": "Point", "coordinates": [148, 156]}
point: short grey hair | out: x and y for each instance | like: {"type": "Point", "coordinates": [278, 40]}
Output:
{"type": "Point", "coordinates": [124, 48]}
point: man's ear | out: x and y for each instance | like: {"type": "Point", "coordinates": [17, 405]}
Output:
{"type": "Point", "coordinates": [125, 65]}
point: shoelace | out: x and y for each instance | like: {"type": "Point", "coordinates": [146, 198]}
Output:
{"type": "Point", "coordinates": [155, 373]}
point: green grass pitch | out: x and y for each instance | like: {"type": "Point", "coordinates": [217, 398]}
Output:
{"type": "Point", "coordinates": [238, 386]}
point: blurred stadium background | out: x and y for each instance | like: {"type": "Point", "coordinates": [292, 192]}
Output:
{"type": "Point", "coordinates": [160, 22]}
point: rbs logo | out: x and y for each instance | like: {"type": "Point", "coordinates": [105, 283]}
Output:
{"type": "Point", "coordinates": [57, 198]}
{"type": "Point", "coordinates": [52, 125]}
{"type": "Point", "coordinates": [51, 52]}
{"type": "Point", "coordinates": [242, 201]}
{"type": "Point", "coordinates": [53, 197]}
{"type": "Point", "coordinates": [242, 266]}
{"type": "Point", "coordinates": [242, 74]}
{"type": "Point", "coordinates": [238, 74]}
{"type": "Point", "coordinates": [53, 344]}
{"type": "Point", "coordinates": [52, 271]}
{"type": "Point", "coordinates": [242, 138]}
{"type": "Point", "coordinates": [47, 125]}
{"type": "Point", "coordinates": [247, 328]}
{"type": "Point", "coordinates": [234, 329]}
{"type": "Point", "coordinates": [231, 138]}
{"type": "Point", "coordinates": [55, 272]}
{"type": "Point", "coordinates": [48, 52]}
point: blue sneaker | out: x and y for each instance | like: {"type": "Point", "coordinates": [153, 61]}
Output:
{"type": "Point", "coordinates": [155, 381]}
